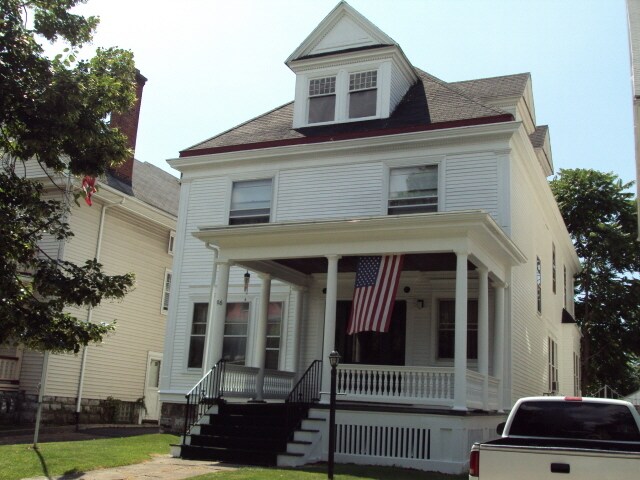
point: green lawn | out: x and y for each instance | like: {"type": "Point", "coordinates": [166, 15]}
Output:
{"type": "Point", "coordinates": [54, 459]}
{"type": "Point", "coordinates": [20, 461]}
{"type": "Point", "coordinates": [342, 472]}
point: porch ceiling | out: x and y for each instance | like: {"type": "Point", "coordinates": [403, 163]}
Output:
{"type": "Point", "coordinates": [429, 242]}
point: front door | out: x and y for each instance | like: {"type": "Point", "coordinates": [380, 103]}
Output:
{"type": "Point", "coordinates": [151, 397]}
{"type": "Point", "coordinates": [372, 348]}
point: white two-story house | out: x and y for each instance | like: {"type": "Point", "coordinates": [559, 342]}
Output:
{"type": "Point", "coordinates": [374, 157]}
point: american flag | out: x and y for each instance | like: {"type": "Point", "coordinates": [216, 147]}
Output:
{"type": "Point", "coordinates": [375, 293]}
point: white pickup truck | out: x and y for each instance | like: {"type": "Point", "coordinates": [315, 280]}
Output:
{"type": "Point", "coordinates": [562, 438]}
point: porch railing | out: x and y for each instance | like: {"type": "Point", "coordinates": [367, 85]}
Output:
{"type": "Point", "coordinates": [9, 372]}
{"type": "Point", "coordinates": [397, 384]}
{"type": "Point", "coordinates": [230, 380]}
{"type": "Point", "coordinates": [203, 395]}
{"type": "Point", "coordinates": [305, 393]}
{"type": "Point", "coordinates": [415, 385]}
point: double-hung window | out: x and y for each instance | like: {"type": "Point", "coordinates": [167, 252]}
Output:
{"type": "Point", "coordinates": [552, 351]}
{"type": "Point", "coordinates": [234, 344]}
{"type": "Point", "coordinates": [166, 291]}
{"type": "Point", "coordinates": [250, 202]}
{"type": "Point", "coordinates": [539, 284]}
{"type": "Point", "coordinates": [198, 333]}
{"type": "Point", "coordinates": [363, 94]}
{"type": "Point", "coordinates": [274, 326]}
{"type": "Point", "coordinates": [447, 329]}
{"type": "Point", "coordinates": [413, 190]}
{"type": "Point", "coordinates": [322, 100]}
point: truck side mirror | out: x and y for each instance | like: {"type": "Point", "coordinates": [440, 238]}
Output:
{"type": "Point", "coordinates": [500, 428]}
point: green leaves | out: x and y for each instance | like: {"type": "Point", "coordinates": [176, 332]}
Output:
{"type": "Point", "coordinates": [53, 110]}
{"type": "Point", "coordinates": [601, 216]}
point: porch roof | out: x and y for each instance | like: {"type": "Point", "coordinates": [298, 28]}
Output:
{"type": "Point", "coordinates": [276, 248]}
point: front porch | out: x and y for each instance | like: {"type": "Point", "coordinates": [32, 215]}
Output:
{"type": "Point", "coordinates": [456, 258]}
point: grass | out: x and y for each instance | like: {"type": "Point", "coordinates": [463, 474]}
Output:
{"type": "Point", "coordinates": [342, 472]}
{"type": "Point", "coordinates": [22, 461]}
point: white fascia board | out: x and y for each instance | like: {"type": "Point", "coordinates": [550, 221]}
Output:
{"type": "Point", "coordinates": [443, 231]}
{"type": "Point", "coordinates": [502, 130]}
{"type": "Point", "coordinates": [136, 207]}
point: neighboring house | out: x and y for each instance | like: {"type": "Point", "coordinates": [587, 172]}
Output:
{"type": "Point", "coordinates": [129, 228]}
{"type": "Point", "coordinates": [375, 157]}
{"type": "Point", "coordinates": [633, 13]}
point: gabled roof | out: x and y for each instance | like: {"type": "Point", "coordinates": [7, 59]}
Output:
{"type": "Point", "coordinates": [151, 185]}
{"type": "Point", "coordinates": [429, 104]}
{"type": "Point", "coordinates": [495, 87]}
{"type": "Point", "coordinates": [343, 28]}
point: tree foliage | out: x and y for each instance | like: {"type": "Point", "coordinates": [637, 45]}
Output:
{"type": "Point", "coordinates": [54, 110]}
{"type": "Point", "coordinates": [601, 217]}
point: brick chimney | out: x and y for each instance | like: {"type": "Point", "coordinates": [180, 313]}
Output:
{"type": "Point", "coordinates": [127, 123]}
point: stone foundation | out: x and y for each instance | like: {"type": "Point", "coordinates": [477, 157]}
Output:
{"type": "Point", "coordinates": [62, 410]}
{"type": "Point", "coordinates": [172, 418]}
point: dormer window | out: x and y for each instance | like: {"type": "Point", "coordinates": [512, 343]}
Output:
{"type": "Point", "coordinates": [363, 94]}
{"type": "Point", "coordinates": [322, 99]}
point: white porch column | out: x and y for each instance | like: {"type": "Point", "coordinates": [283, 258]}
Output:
{"type": "Point", "coordinates": [329, 319]}
{"type": "Point", "coordinates": [483, 333]}
{"type": "Point", "coordinates": [260, 347]}
{"type": "Point", "coordinates": [294, 341]}
{"type": "Point", "coordinates": [212, 293]}
{"type": "Point", "coordinates": [460, 360]}
{"type": "Point", "coordinates": [217, 314]}
{"type": "Point", "coordinates": [498, 346]}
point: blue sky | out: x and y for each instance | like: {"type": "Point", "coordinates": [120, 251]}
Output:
{"type": "Point", "coordinates": [213, 64]}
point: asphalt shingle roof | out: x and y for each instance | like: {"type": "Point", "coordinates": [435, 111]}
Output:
{"type": "Point", "coordinates": [429, 102]}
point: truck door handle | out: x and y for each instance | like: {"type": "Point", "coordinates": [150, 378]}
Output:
{"type": "Point", "coordinates": [560, 468]}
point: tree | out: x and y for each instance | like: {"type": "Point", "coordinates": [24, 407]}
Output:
{"type": "Point", "coordinates": [601, 217]}
{"type": "Point", "coordinates": [53, 111]}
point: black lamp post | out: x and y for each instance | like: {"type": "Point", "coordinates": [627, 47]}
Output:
{"type": "Point", "coordinates": [334, 360]}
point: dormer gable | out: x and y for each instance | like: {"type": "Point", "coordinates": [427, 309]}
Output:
{"type": "Point", "coordinates": [348, 70]}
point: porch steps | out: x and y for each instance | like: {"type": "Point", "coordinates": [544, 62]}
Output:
{"type": "Point", "coordinates": [306, 446]}
{"type": "Point", "coordinates": [249, 434]}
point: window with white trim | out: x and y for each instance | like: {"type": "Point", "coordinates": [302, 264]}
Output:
{"type": "Point", "coordinates": [553, 267]}
{"type": "Point", "coordinates": [564, 281]}
{"type": "Point", "coordinates": [447, 329]}
{"type": "Point", "coordinates": [363, 94]}
{"type": "Point", "coordinates": [576, 374]}
{"type": "Point", "coordinates": [274, 326]}
{"type": "Point", "coordinates": [166, 291]}
{"type": "Point", "coordinates": [171, 243]}
{"type": "Point", "coordinates": [198, 334]}
{"type": "Point", "coordinates": [539, 284]}
{"type": "Point", "coordinates": [322, 100]}
{"type": "Point", "coordinates": [250, 202]}
{"type": "Point", "coordinates": [413, 189]}
{"type": "Point", "coordinates": [552, 350]}
{"type": "Point", "coordinates": [236, 324]}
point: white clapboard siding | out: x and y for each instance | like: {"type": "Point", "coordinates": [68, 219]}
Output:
{"type": "Point", "coordinates": [471, 182]}
{"type": "Point", "coordinates": [399, 86]}
{"type": "Point", "coordinates": [330, 192]}
{"type": "Point", "coordinates": [117, 366]}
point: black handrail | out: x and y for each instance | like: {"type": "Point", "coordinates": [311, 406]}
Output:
{"type": "Point", "coordinates": [204, 394]}
{"type": "Point", "coordinates": [305, 393]}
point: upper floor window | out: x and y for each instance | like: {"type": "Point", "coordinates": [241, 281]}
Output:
{"type": "Point", "coordinates": [564, 283]}
{"type": "Point", "coordinates": [413, 190]}
{"type": "Point", "coordinates": [322, 100]}
{"type": "Point", "coordinates": [539, 284]}
{"type": "Point", "coordinates": [172, 242]}
{"type": "Point", "coordinates": [553, 267]}
{"type": "Point", "coordinates": [363, 94]}
{"type": "Point", "coordinates": [250, 202]}
{"type": "Point", "coordinates": [166, 291]}
{"type": "Point", "coordinates": [552, 352]}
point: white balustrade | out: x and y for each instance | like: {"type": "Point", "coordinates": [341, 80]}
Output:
{"type": "Point", "coordinates": [241, 381]}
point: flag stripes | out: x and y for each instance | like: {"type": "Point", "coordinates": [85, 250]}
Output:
{"type": "Point", "coordinates": [377, 281]}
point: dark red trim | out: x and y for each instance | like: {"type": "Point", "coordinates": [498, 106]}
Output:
{"type": "Point", "coordinates": [346, 136]}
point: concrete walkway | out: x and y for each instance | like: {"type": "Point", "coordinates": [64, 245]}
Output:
{"type": "Point", "coordinates": [160, 467]}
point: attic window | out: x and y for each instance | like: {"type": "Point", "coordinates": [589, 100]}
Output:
{"type": "Point", "coordinates": [363, 94]}
{"type": "Point", "coordinates": [322, 99]}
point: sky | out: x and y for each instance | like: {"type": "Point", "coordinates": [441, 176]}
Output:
{"type": "Point", "coordinates": [213, 64]}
